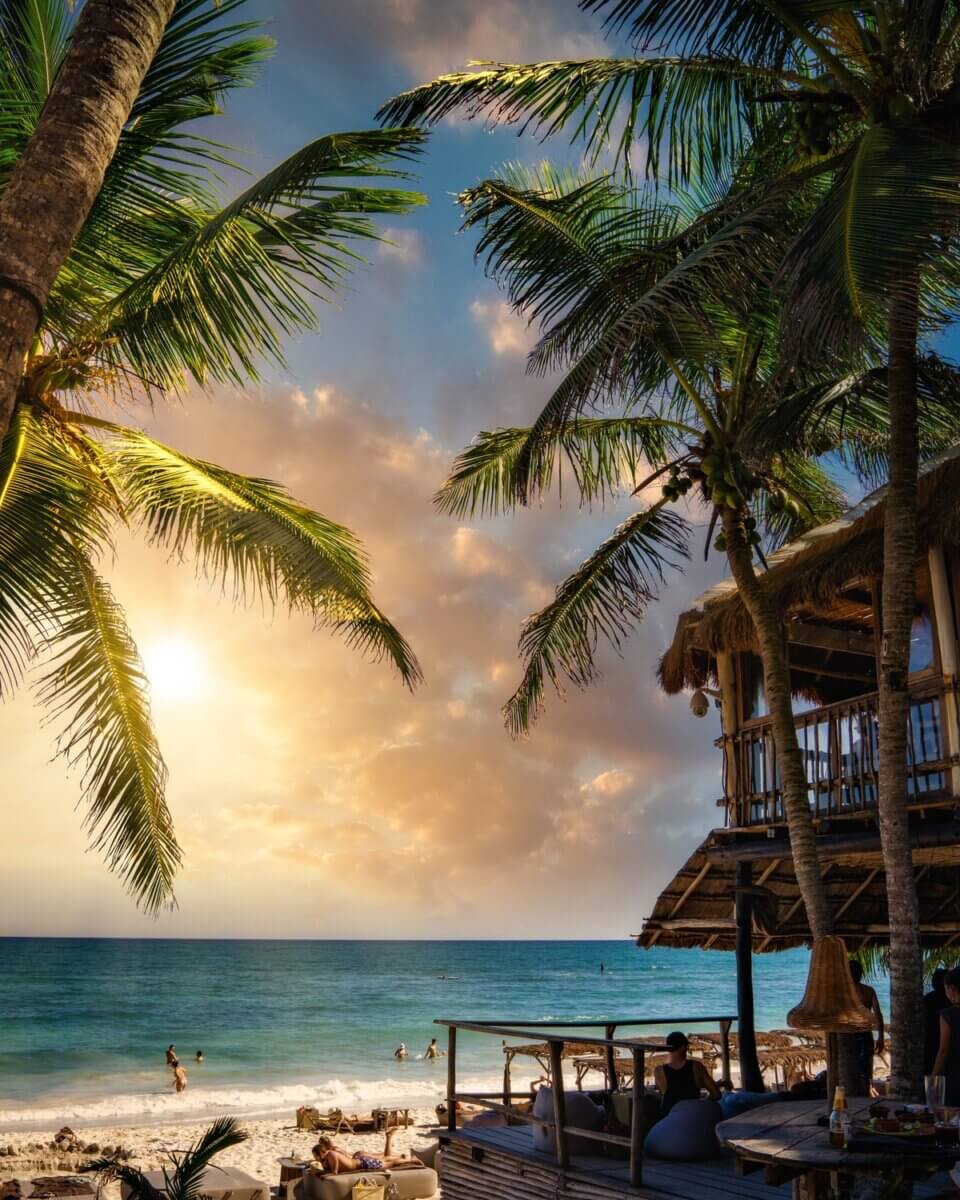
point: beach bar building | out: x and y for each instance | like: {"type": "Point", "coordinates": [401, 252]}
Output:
{"type": "Point", "coordinates": [737, 890]}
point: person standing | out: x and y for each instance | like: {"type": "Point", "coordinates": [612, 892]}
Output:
{"type": "Point", "coordinates": [179, 1079]}
{"type": "Point", "coordinates": [947, 1062]}
{"type": "Point", "coordinates": [864, 1041]}
{"type": "Point", "coordinates": [172, 1057]}
{"type": "Point", "coordinates": [933, 1004]}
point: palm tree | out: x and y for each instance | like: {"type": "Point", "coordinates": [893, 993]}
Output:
{"type": "Point", "coordinates": [704, 401]}
{"type": "Point", "coordinates": [163, 284]}
{"type": "Point", "coordinates": [186, 1178]}
{"type": "Point", "coordinates": [863, 99]}
{"type": "Point", "coordinates": [91, 90]}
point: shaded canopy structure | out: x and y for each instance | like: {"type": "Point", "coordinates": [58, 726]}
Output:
{"type": "Point", "coordinates": [697, 908]}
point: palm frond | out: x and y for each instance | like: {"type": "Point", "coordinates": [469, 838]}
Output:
{"type": "Point", "coordinates": [879, 223]}
{"type": "Point", "coordinates": [604, 597]}
{"type": "Point", "coordinates": [184, 1182]}
{"type": "Point", "coordinates": [692, 114]}
{"type": "Point", "coordinates": [603, 454]}
{"type": "Point", "coordinates": [211, 291]}
{"type": "Point", "coordinates": [97, 692]}
{"type": "Point", "coordinates": [250, 535]}
{"type": "Point", "coordinates": [52, 507]}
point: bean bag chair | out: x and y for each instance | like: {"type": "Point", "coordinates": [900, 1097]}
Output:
{"type": "Point", "coordinates": [581, 1111]}
{"type": "Point", "coordinates": [732, 1104]}
{"type": "Point", "coordinates": [686, 1133]}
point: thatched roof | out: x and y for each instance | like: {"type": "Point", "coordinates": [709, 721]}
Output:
{"type": "Point", "coordinates": [810, 573]}
{"type": "Point", "coordinates": [696, 907]}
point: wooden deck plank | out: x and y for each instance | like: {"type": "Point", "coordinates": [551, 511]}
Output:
{"type": "Point", "coordinates": [712, 1180]}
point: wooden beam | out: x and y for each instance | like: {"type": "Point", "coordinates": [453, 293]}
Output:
{"type": "Point", "coordinates": [827, 673]}
{"type": "Point", "coordinates": [751, 1077]}
{"type": "Point", "coordinates": [824, 637]}
{"type": "Point", "coordinates": [856, 893]}
{"type": "Point", "coordinates": [947, 834]}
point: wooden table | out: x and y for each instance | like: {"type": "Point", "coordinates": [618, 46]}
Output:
{"type": "Point", "coordinates": [785, 1140]}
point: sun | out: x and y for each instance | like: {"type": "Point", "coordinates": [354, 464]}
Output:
{"type": "Point", "coordinates": [176, 666]}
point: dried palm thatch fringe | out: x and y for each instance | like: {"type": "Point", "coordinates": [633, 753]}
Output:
{"type": "Point", "coordinates": [809, 574]}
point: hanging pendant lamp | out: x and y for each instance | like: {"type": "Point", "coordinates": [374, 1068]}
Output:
{"type": "Point", "coordinates": [831, 1003]}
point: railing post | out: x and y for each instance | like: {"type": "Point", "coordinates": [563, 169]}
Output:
{"type": "Point", "coordinates": [507, 1084]}
{"type": "Point", "coordinates": [636, 1118]}
{"type": "Point", "coordinates": [559, 1103]}
{"type": "Point", "coordinates": [725, 1047]}
{"type": "Point", "coordinates": [451, 1077]}
{"type": "Point", "coordinates": [611, 1056]}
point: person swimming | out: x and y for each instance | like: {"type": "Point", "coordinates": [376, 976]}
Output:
{"type": "Point", "coordinates": [199, 1056]}
{"type": "Point", "coordinates": [433, 1050]}
{"type": "Point", "coordinates": [179, 1079]}
{"type": "Point", "coordinates": [334, 1159]}
{"type": "Point", "coordinates": [400, 1053]}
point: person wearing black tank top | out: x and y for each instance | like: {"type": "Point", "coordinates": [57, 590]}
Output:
{"type": "Point", "coordinates": [682, 1078]}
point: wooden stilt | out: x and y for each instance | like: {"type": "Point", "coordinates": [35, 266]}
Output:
{"type": "Point", "coordinates": [751, 1078]}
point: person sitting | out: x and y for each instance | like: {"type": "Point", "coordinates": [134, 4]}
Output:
{"type": "Point", "coordinates": [335, 1160]}
{"type": "Point", "coordinates": [682, 1078]}
{"type": "Point", "coordinates": [948, 1055]}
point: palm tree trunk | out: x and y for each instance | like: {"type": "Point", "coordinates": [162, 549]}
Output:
{"type": "Point", "coordinates": [57, 180]}
{"type": "Point", "coordinates": [793, 778]}
{"type": "Point", "coordinates": [898, 599]}
{"type": "Point", "coordinates": [776, 674]}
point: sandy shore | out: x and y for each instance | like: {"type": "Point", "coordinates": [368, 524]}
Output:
{"type": "Point", "coordinates": [150, 1145]}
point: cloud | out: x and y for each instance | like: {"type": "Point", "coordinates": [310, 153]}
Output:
{"type": "Point", "coordinates": [313, 795]}
{"type": "Point", "coordinates": [431, 37]}
{"type": "Point", "coordinates": [507, 332]}
{"type": "Point", "coordinates": [403, 246]}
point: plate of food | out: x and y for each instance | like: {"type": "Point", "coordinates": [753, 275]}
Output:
{"type": "Point", "coordinates": [904, 1127]}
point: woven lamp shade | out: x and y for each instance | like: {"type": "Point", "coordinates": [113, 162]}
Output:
{"type": "Point", "coordinates": [831, 1002]}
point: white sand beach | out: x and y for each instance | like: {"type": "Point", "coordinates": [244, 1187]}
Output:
{"type": "Point", "coordinates": [150, 1145]}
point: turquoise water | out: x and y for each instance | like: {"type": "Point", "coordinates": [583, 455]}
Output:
{"type": "Point", "coordinates": [84, 1023]}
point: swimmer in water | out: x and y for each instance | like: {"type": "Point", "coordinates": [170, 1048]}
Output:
{"type": "Point", "coordinates": [400, 1053]}
{"type": "Point", "coordinates": [433, 1050]}
{"type": "Point", "coordinates": [179, 1079]}
{"type": "Point", "coordinates": [172, 1056]}
{"type": "Point", "coordinates": [199, 1056]}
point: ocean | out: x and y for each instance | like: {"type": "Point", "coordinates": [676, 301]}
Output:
{"type": "Point", "coordinates": [85, 1023]}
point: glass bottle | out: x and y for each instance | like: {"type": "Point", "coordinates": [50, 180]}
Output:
{"type": "Point", "coordinates": [839, 1119]}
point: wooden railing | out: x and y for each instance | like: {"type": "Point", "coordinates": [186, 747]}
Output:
{"type": "Point", "coordinates": [546, 1032]}
{"type": "Point", "coordinates": [840, 748]}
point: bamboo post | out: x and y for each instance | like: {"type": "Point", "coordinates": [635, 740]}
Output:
{"type": "Point", "coordinates": [751, 1078]}
{"type": "Point", "coordinates": [727, 678]}
{"type": "Point", "coordinates": [833, 1064]}
{"type": "Point", "coordinates": [559, 1103]}
{"type": "Point", "coordinates": [452, 1078]}
{"type": "Point", "coordinates": [610, 1054]}
{"type": "Point", "coordinates": [636, 1119]}
{"type": "Point", "coordinates": [507, 1085]}
{"type": "Point", "coordinates": [947, 641]}
{"type": "Point", "coordinates": [725, 1048]}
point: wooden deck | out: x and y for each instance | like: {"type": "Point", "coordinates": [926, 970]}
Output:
{"type": "Point", "coordinates": [501, 1164]}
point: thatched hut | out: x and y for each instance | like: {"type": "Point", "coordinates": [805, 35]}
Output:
{"type": "Point", "coordinates": [738, 889]}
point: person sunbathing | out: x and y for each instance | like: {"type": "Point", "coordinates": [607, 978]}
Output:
{"type": "Point", "coordinates": [335, 1160]}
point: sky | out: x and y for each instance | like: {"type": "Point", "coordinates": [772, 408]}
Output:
{"type": "Point", "coordinates": [313, 795]}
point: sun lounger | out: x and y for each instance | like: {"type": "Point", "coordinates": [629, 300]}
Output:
{"type": "Point", "coordinates": [412, 1183]}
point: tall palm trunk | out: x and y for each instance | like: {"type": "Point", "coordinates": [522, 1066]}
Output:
{"type": "Point", "coordinates": [776, 674]}
{"type": "Point", "coordinates": [55, 183]}
{"type": "Point", "coordinates": [898, 603]}
{"type": "Point", "coordinates": [793, 778]}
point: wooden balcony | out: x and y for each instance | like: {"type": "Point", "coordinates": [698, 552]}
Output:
{"type": "Point", "coordinates": [840, 748]}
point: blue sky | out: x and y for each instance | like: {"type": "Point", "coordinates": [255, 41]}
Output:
{"type": "Point", "coordinates": [312, 795]}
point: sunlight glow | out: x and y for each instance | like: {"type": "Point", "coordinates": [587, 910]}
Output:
{"type": "Point", "coordinates": [176, 666]}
